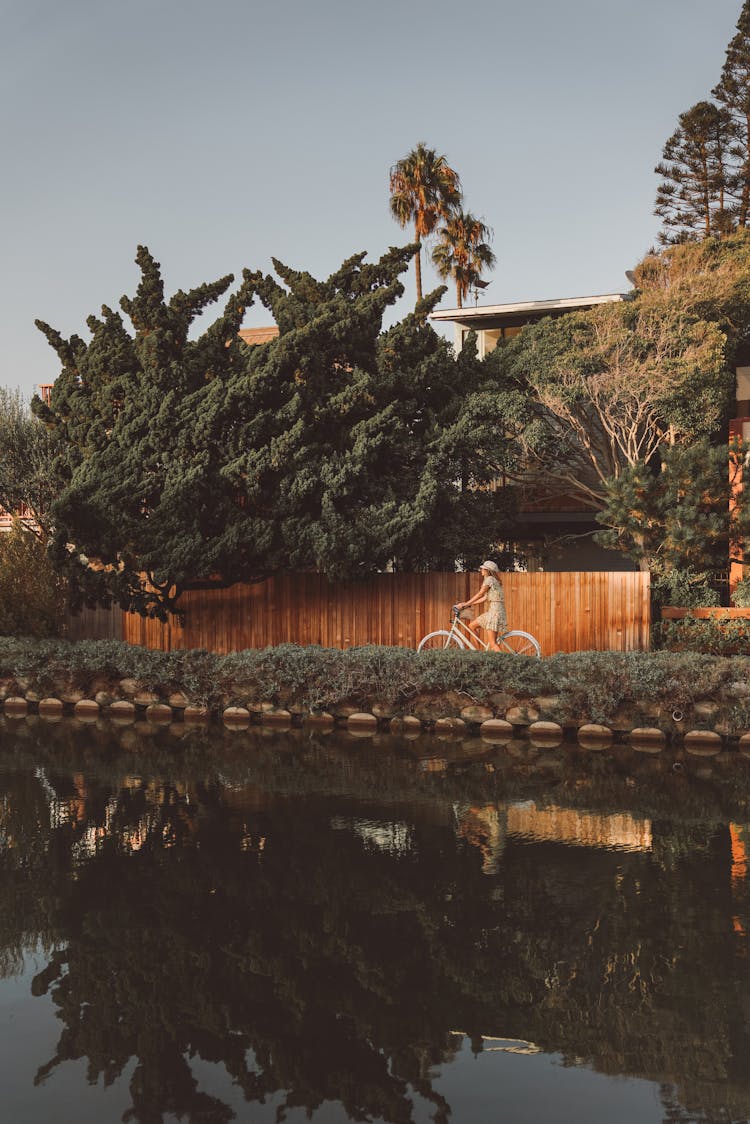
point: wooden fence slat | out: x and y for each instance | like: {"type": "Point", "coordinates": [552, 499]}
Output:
{"type": "Point", "coordinates": [565, 611]}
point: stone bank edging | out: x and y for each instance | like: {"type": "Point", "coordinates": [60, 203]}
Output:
{"type": "Point", "coordinates": [704, 727]}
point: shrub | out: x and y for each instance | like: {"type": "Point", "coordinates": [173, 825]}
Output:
{"type": "Point", "coordinates": [685, 588]}
{"type": "Point", "coordinates": [32, 595]}
{"type": "Point", "coordinates": [741, 594]}
{"type": "Point", "coordinates": [713, 637]}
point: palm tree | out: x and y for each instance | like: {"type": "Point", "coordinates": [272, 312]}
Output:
{"type": "Point", "coordinates": [424, 189]}
{"type": "Point", "coordinates": [463, 251]}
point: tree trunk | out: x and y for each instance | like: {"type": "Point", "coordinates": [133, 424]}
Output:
{"type": "Point", "coordinates": [458, 294]}
{"type": "Point", "coordinates": [418, 267]}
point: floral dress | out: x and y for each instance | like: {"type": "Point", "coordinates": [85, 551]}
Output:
{"type": "Point", "coordinates": [493, 617]}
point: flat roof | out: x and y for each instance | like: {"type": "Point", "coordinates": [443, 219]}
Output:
{"type": "Point", "coordinates": [533, 308]}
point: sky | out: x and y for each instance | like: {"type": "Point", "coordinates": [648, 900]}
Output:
{"type": "Point", "coordinates": [222, 133]}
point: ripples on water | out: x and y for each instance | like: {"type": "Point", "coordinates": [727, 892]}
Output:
{"type": "Point", "coordinates": [213, 925]}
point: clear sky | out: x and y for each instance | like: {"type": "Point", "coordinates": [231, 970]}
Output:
{"type": "Point", "coordinates": [222, 132]}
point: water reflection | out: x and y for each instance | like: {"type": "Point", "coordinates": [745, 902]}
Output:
{"type": "Point", "coordinates": [335, 924]}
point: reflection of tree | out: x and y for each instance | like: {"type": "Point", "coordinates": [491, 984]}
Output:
{"type": "Point", "coordinates": [239, 924]}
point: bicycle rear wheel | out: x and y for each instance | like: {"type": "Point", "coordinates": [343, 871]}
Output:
{"type": "Point", "coordinates": [520, 644]}
{"type": "Point", "coordinates": [434, 641]}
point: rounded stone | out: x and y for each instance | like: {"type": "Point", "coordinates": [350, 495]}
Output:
{"type": "Point", "coordinates": [592, 732]}
{"type": "Point", "coordinates": [50, 707]}
{"type": "Point", "coordinates": [16, 705]}
{"type": "Point", "coordinates": [382, 710]}
{"type": "Point", "coordinates": [85, 707]}
{"type": "Point", "coordinates": [236, 715]}
{"type": "Point", "coordinates": [744, 742]}
{"type": "Point", "coordinates": [276, 717]}
{"type": "Point", "coordinates": [647, 734]}
{"type": "Point", "coordinates": [121, 709]}
{"type": "Point", "coordinates": [104, 698]}
{"type": "Point", "coordinates": [521, 715]}
{"type": "Point", "coordinates": [647, 739]}
{"type": "Point", "coordinates": [129, 687]}
{"type": "Point", "coordinates": [33, 696]}
{"type": "Point", "coordinates": [496, 729]}
{"type": "Point", "coordinates": [702, 743]}
{"type": "Point", "coordinates": [345, 711]}
{"type": "Point", "coordinates": [542, 729]}
{"type": "Point", "coordinates": [159, 713]}
{"type": "Point", "coordinates": [362, 718]}
{"type": "Point", "coordinates": [408, 725]}
{"type": "Point", "coordinates": [178, 701]}
{"type": "Point", "coordinates": [474, 714]}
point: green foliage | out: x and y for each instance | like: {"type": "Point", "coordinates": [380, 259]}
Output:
{"type": "Point", "coordinates": [26, 455]}
{"type": "Point", "coordinates": [685, 589]}
{"type": "Point", "coordinates": [714, 637]}
{"type": "Point", "coordinates": [611, 388]}
{"type": "Point", "coordinates": [695, 196]}
{"type": "Point", "coordinates": [705, 186]}
{"type": "Point", "coordinates": [707, 280]}
{"type": "Point", "coordinates": [591, 685]}
{"type": "Point", "coordinates": [337, 447]}
{"type": "Point", "coordinates": [741, 594]}
{"type": "Point", "coordinates": [679, 515]}
{"type": "Point", "coordinates": [733, 94]}
{"type": "Point", "coordinates": [32, 595]}
{"type": "Point", "coordinates": [423, 189]}
{"type": "Point", "coordinates": [463, 251]}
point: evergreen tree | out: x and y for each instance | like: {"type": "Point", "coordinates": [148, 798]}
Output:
{"type": "Point", "coordinates": [424, 189]}
{"type": "Point", "coordinates": [26, 453]}
{"type": "Point", "coordinates": [696, 198]}
{"type": "Point", "coordinates": [685, 513]}
{"type": "Point", "coordinates": [335, 447]}
{"type": "Point", "coordinates": [463, 251]}
{"type": "Point", "coordinates": [733, 93]}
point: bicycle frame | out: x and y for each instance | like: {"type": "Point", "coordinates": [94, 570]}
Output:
{"type": "Point", "coordinates": [461, 636]}
{"type": "Point", "coordinates": [464, 635]}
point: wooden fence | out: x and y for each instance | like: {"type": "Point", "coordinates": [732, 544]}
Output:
{"type": "Point", "coordinates": [567, 612]}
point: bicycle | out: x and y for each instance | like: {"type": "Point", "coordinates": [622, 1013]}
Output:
{"type": "Point", "coordinates": [460, 636]}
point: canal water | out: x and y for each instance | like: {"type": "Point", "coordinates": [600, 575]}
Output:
{"type": "Point", "coordinates": [209, 925]}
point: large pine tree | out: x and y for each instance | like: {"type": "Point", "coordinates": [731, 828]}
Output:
{"type": "Point", "coordinates": [696, 198]}
{"type": "Point", "coordinates": [733, 94]}
{"type": "Point", "coordinates": [336, 447]}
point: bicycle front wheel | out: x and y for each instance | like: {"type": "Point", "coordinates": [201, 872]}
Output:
{"type": "Point", "coordinates": [520, 644]}
{"type": "Point", "coordinates": [433, 641]}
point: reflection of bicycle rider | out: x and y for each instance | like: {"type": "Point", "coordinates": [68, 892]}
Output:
{"type": "Point", "coordinates": [492, 620]}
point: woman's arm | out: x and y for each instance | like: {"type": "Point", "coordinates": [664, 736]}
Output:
{"type": "Point", "coordinates": [474, 601]}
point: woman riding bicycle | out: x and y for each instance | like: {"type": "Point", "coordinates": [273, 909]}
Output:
{"type": "Point", "coordinates": [492, 620]}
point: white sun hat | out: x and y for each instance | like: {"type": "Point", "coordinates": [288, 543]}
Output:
{"type": "Point", "coordinates": [491, 566]}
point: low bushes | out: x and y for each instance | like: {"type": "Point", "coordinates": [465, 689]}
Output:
{"type": "Point", "coordinates": [583, 685]}
{"type": "Point", "coordinates": [711, 636]}
{"type": "Point", "coordinates": [32, 595]}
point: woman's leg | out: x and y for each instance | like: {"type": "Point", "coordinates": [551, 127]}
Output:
{"type": "Point", "coordinates": [492, 641]}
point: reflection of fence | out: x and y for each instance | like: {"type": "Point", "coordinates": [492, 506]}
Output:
{"type": "Point", "coordinates": [567, 612]}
